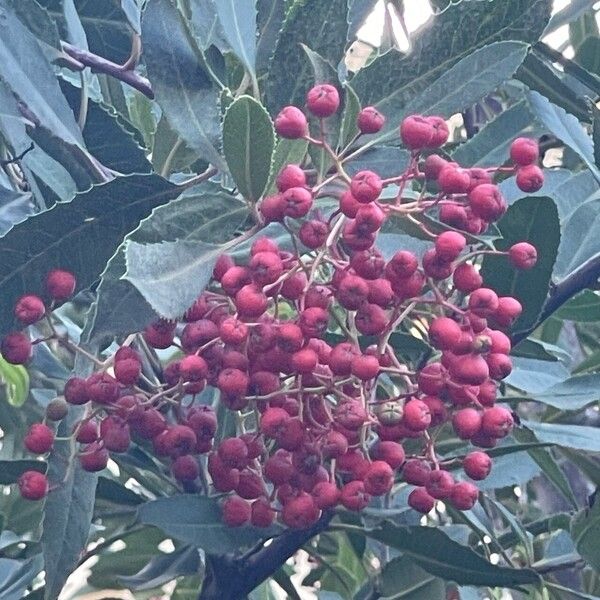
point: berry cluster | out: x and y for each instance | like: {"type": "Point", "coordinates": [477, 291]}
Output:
{"type": "Point", "coordinates": [322, 418]}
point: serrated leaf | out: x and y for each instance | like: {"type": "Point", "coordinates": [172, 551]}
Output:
{"type": "Point", "coordinates": [392, 81]}
{"type": "Point", "coordinates": [203, 213]}
{"type": "Point", "coordinates": [238, 20]}
{"type": "Point", "coordinates": [578, 437]}
{"type": "Point", "coordinates": [437, 554]}
{"type": "Point", "coordinates": [80, 236]}
{"type": "Point", "coordinates": [248, 142]}
{"type": "Point", "coordinates": [182, 87]}
{"type": "Point", "coordinates": [197, 520]}
{"type": "Point", "coordinates": [290, 75]}
{"type": "Point", "coordinates": [535, 220]}
{"type": "Point", "coordinates": [566, 128]}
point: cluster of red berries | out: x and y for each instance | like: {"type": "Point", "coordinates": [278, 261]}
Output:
{"type": "Point", "coordinates": [322, 423]}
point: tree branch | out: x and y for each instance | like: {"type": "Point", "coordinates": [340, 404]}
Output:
{"type": "Point", "coordinates": [101, 65]}
{"type": "Point", "coordinates": [583, 277]}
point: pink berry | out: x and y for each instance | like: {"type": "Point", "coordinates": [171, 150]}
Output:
{"type": "Point", "coordinates": [291, 123]}
{"type": "Point", "coordinates": [524, 151]}
{"type": "Point", "coordinates": [323, 100]}
{"type": "Point", "coordinates": [370, 120]}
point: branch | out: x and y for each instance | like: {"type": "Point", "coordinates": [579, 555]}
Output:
{"type": "Point", "coordinates": [101, 65]}
{"type": "Point", "coordinates": [583, 277]}
{"type": "Point", "coordinates": [232, 578]}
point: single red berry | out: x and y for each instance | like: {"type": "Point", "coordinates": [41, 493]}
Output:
{"type": "Point", "coordinates": [152, 423]}
{"type": "Point", "coordinates": [313, 321]}
{"type": "Point", "coordinates": [87, 432]}
{"type": "Point", "coordinates": [93, 457]}
{"type": "Point", "coordinates": [250, 485]}
{"type": "Point", "coordinates": [349, 205]}
{"type": "Point", "coordinates": [102, 388]}
{"type": "Point", "coordinates": [272, 208]}
{"type": "Point", "coordinates": [39, 438]}
{"type": "Point", "coordinates": [278, 468]}
{"type": "Point", "coordinates": [33, 485]}
{"type": "Point", "coordinates": [233, 452]}
{"type": "Point", "coordinates": [368, 264]}
{"type": "Point", "coordinates": [416, 415]}
{"type": "Point", "coordinates": [439, 484]}
{"type": "Point", "coordinates": [57, 409]}
{"type": "Point", "coordinates": [233, 331]}
{"type": "Point", "coordinates": [326, 495]}
{"type": "Point", "coordinates": [370, 120]}
{"type": "Point", "coordinates": [127, 371]}
{"type": "Point", "coordinates": [479, 177]}
{"type": "Point", "coordinates": [223, 264]}
{"type": "Point", "coordinates": [233, 382]}
{"type": "Point", "coordinates": [353, 496]}
{"type": "Point", "coordinates": [486, 202]}
{"type": "Point", "coordinates": [454, 180]}
{"type": "Point", "coordinates": [437, 409]}
{"type": "Point", "coordinates": [185, 468]}
{"type": "Point", "coordinates": [466, 278]}
{"type": "Point", "coordinates": [508, 311]}
{"type": "Point", "coordinates": [352, 292]}
{"type": "Point", "coordinates": [291, 123]}
{"type": "Point", "coordinates": [433, 165]}
{"type": "Point", "coordinates": [289, 337]}
{"type": "Point", "coordinates": [371, 319]}
{"type": "Point", "coordinates": [365, 367]}
{"type": "Point", "coordinates": [436, 267]}
{"type": "Point", "coordinates": [160, 334]}
{"type": "Point", "coordinates": [522, 255]}
{"type": "Point", "coordinates": [114, 432]}
{"type": "Point", "coordinates": [401, 266]}
{"type": "Point", "coordinates": [432, 378]}
{"type": "Point", "coordinates": [60, 284]}
{"type": "Point", "coordinates": [421, 501]}
{"type": "Point", "coordinates": [440, 132]}
{"type": "Point", "coordinates": [416, 472]}
{"type": "Point", "coordinates": [290, 176]}
{"type": "Point", "coordinates": [497, 422]}
{"type": "Point", "coordinates": [530, 178]}
{"type": "Point", "coordinates": [334, 445]}
{"type": "Point", "coordinates": [300, 512]}
{"type": "Point", "coordinates": [250, 301]}
{"type": "Point", "coordinates": [304, 361]}
{"type": "Point", "coordinates": [297, 202]}
{"type": "Point", "coordinates": [341, 358]}
{"type": "Point", "coordinates": [483, 302]}
{"type": "Point", "coordinates": [524, 151]}
{"type": "Point", "coordinates": [236, 511]}
{"type": "Point", "coordinates": [477, 465]}
{"type": "Point", "coordinates": [417, 132]}
{"type": "Point", "coordinates": [466, 423]}
{"type": "Point", "coordinates": [379, 478]}
{"type": "Point", "coordinates": [262, 514]}
{"type": "Point", "coordinates": [366, 186]}
{"type": "Point", "coordinates": [449, 245]}
{"type": "Point", "coordinates": [16, 348]}
{"type": "Point", "coordinates": [369, 218]}
{"type": "Point", "coordinates": [179, 440]}
{"type": "Point", "coordinates": [265, 267]}
{"type": "Point", "coordinates": [390, 452]}
{"type": "Point", "coordinates": [444, 333]}
{"type": "Point", "coordinates": [500, 365]}
{"type": "Point", "coordinates": [313, 234]}
{"type": "Point", "coordinates": [470, 369]}
{"type": "Point", "coordinates": [323, 100]}
{"type": "Point", "coordinates": [29, 309]}
{"type": "Point", "coordinates": [464, 495]}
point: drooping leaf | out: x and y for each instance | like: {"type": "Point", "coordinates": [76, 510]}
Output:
{"type": "Point", "coordinates": [205, 213]}
{"type": "Point", "coordinates": [182, 87]}
{"type": "Point", "coordinates": [402, 578]}
{"type": "Point", "coordinates": [578, 437]}
{"type": "Point", "coordinates": [248, 142]}
{"type": "Point", "coordinates": [437, 554]}
{"type": "Point", "coordinates": [392, 81]}
{"type": "Point", "coordinates": [197, 520]}
{"type": "Point", "coordinates": [319, 25]}
{"type": "Point", "coordinates": [80, 236]}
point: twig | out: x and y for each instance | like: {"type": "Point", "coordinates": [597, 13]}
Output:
{"type": "Point", "coordinates": [98, 64]}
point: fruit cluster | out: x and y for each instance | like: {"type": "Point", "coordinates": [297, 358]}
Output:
{"type": "Point", "coordinates": [298, 344]}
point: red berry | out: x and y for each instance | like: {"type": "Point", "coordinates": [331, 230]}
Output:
{"type": "Point", "coordinates": [497, 422]}
{"type": "Point", "coordinates": [334, 445]}
{"type": "Point", "coordinates": [530, 178]}
{"type": "Point", "coordinates": [185, 468]}
{"type": "Point", "coordinates": [271, 208]}
{"type": "Point", "coordinates": [60, 284]}
{"type": "Point", "coordinates": [93, 457]}
{"type": "Point", "coordinates": [250, 301]}
{"type": "Point", "coordinates": [265, 267]}
{"type": "Point", "coordinates": [440, 132]}
{"type": "Point", "coordinates": [369, 218]}
{"type": "Point", "coordinates": [390, 452]}
{"type": "Point", "coordinates": [114, 432]}
{"type": "Point", "coordinates": [522, 255]}
{"type": "Point", "coordinates": [262, 515]}
{"type": "Point", "coordinates": [250, 485]}
{"type": "Point", "coordinates": [434, 266]}
{"type": "Point", "coordinates": [304, 361]}
{"type": "Point", "coordinates": [416, 415]}
{"type": "Point", "coordinates": [290, 176]}
{"type": "Point", "coordinates": [464, 495]}
{"type": "Point", "coordinates": [341, 358]}
{"type": "Point", "coordinates": [470, 369]}
{"type": "Point", "coordinates": [102, 388]}
{"type": "Point", "coordinates": [366, 186]}
{"type": "Point", "coordinates": [436, 408]}
{"type": "Point", "coordinates": [440, 484]}
{"type": "Point", "coordinates": [33, 485]}
{"type": "Point", "coordinates": [371, 319]}
{"type": "Point", "coordinates": [289, 337]}
{"type": "Point", "coordinates": [297, 202]}
{"type": "Point", "coordinates": [16, 348]}
{"type": "Point", "coordinates": [524, 151]}
{"type": "Point", "coordinates": [466, 423]}
{"type": "Point", "coordinates": [379, 478]}
{"type": "Point", "coordinates": [326, 495]}
{"type": "Point", "coordinates": [421, 501]}
{"type": "Point", "coordinates": [466, 278]}
{"type": "Point", "coordinates": [291, 123]}
{"type": "Point", "coordinates": [365, 367]}
{"type": "Point", "coordinates": [454, 180]}
{"type": "Point", "coordinates": [236, 511]}
{"type": "Point", "coordinates": [57, 409]}
{"type": "Point", "coordinates": [223, 264]}
{"type": "Point", "coordinates": [487, 202]}
{"type": "Point", "coordinates": [477, 465]}
{"type": "Point", "coordinates": [508, 311]}
{"type": "Point", "coordinates": [416, 472]}
{"type": "Point", "coordinates": [87, 432]}
{"type": "Point", "coordinates": [349, 205]}
{"type": "Point", "coordinates": [313, 321]}
{"type": "Point", "coordinates": [127, 371]}
{"type": "Point", "coordinates": [444, 333]}
{"type": "Point", "coordinates": [233, 331]}
{"type": "Point", "coordinates": [29, 309]}
{"type": "Point", "coordinates": [478, 177]}
{"type": "Point", "coordinates": [368, 264]}
{"type": "Point", "coordinates": [500, 365]}
{"type": "Point", "coordinates": [353, 496]}
{"type": "Point", "coordinates": [433, 165]}
{"type": "Point", "coordinates": [39, 438]}
{"type": "Point", "coordinates": [401, 266]}
{"type": "Point", "coordinates": [323, 100]}
{"type": "Point", "coordinates": [233, 452]}
{"type": "Point", "coordinates": [300, 512]}
{"type": "Point", "coordinates": [160, 334]}
{"type": "Point", "coordinates": [179, 440]}
{"type": "Point", "coordinates": [352, 292]}
{"type": "Point", "coordinates": [483, 302]}
{"type": "Point", "coordinates": [313, 234]}
{"type": "Point", "coordinates": [370, 120]}
{"type": "Point", "coordinates": [449, 245]}
{"type": "Point", "coordinates": [278, 468]}
{"type": "Point", "coordinates": [417, 132]}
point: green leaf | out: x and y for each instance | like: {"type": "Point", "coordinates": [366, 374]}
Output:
{"type": "Point", "coordinates": [392, 81]}
{"type": "Point", "coordinates": [197, 520]}
{"type": "Point", "coordinates": [596, 134]}
{"type": "Point", "coordinates": [16, 576]}
{"type": "Point", "coordinates": [164, 568]}
{"type": "Point", "coordinates": [437, 554]}
{"type": "Point", "coordinates": [11, 470]}
{"type": "Point", "coordinates": [270, 18]}
{"type": "Point", "coordinates": [182, 87]}
{"type": "Point", "coordinates": [114, 492]}
{"type": "Point", "coordinates": [170, 154]}
{"type": "Point", "coordinates": [248, 142]}
{"type": "Point", "coordinates": [349, 127]}
{"type": "Point", "coordinates": [238, 20]}
{"type": "Point", "coordinates": [585, 529]}
{"type": "Point", "coordinates": [532, 219]}
{"type": "Point", "coordinates": [490, 146]}
{"type": "Point", "coordinates": [471, 79]}
{"type": "Point", "coordinates": [569, 13]}
{"type": "Point", "coordinates": [386, 161]}
{"type": "Point", "coordinates": [286, 152]}
{"type": "Point", "coordinates": [15, 380]}
{"type": "Point", "coordinates": [535, 376]}
{"type": "Point", "coordinates": [582, 308]}
{"type": "Point", "coordinates": [579, 437]}
{"type": "Point", "coordinates": [38, 21]}
{"type": "Point", "coordinates": [535, 349]}
{"type": "Point", "coordinates": [402, 578]}
{"type": "Point", "coordinates": [203, 213]}
{"type": "Point", "coordinates": [516, 526]}
{"type": "Point", "coordinates": [69, 508]}
{"type": "Point", "coordinates": [321, 26]}
{"type": "Point", "coordinates": [564, 593]}
{"type": "Point", "coordinates": [132, 12]}
{"type": "Point", "coordinates": [80, 236]}
{"type": "Point", "coordinates": [566, 128]}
